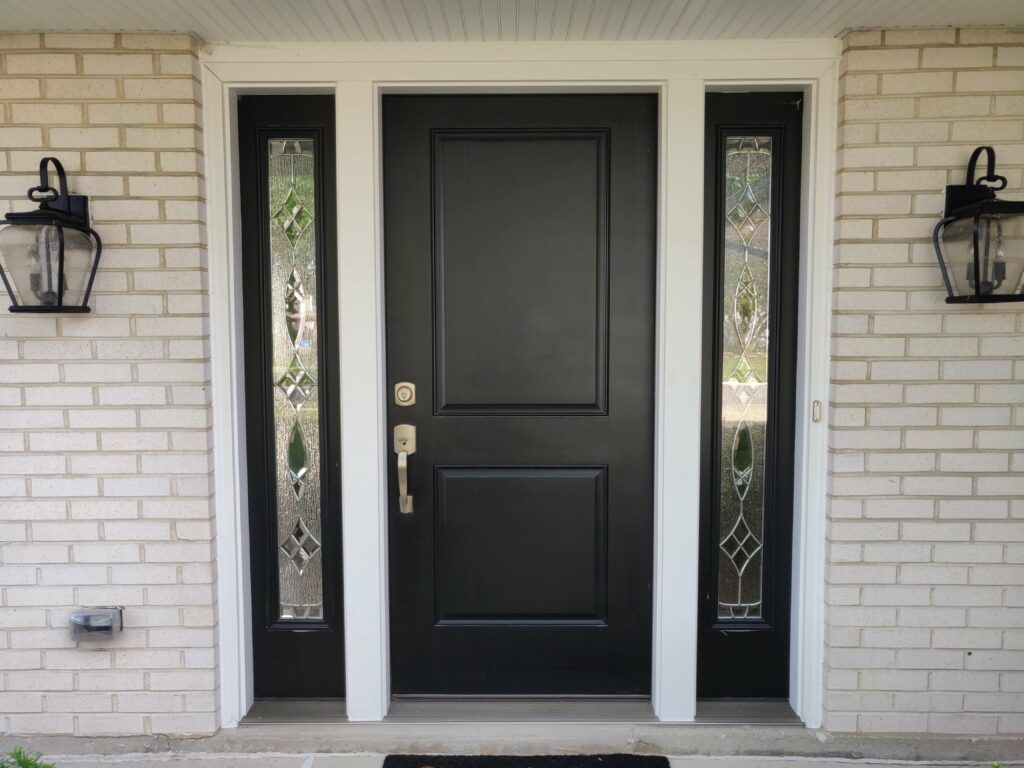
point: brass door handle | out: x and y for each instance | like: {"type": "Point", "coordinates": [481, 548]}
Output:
{"type": "Point", "coordinates": [404, 446]}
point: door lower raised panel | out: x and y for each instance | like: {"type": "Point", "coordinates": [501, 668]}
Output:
{"type": "Point", "coordinates": [519, 265]}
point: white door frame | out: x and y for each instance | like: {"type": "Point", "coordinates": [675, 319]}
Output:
{"type": "Point", "coordinates": [681, 73]}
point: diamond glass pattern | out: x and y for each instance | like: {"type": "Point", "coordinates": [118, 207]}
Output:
{"type": "Point", "coordinates": [740, 545]}
{"type": "Point", "coordinates": [744, 359]}
{"type": "Point", "coordinates": [293, 217]}
{"type": "Point", "coordinates": [296, 383]}
{"type": "Point", "coordinates": [300, 546]}
{"type": "Point", "coordinates": [293, 287]}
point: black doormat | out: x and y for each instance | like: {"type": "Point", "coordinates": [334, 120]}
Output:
{"type": "Point", "coordinates": [520, 761]}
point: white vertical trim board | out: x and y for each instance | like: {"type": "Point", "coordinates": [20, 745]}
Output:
{"type": "Point", "coordinates": [364, 509]}
{"type": "Point", "coordinates": [811, 460]}
{"type": "Point", "coordinates": [358, 75]}
{"type": "Point", "coordinates": [232, 544]}
{"type": "Point", "coordinates": [678, 397]}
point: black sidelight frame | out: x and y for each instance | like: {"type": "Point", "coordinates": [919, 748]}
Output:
{"type": "Point", "coordinates": [749, 657]}
{"type": "Point", "coordinates": [291, 658]}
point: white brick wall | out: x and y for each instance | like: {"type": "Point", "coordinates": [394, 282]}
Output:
{"type": "Point", "coordinates": [104, 418]}
{"type": "Point", "coordinates": [926, 544]}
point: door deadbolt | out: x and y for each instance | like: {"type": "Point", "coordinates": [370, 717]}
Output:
{"type": "Point", "coordinates": [405, 393]}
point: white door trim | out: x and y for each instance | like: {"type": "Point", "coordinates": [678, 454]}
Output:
{"type": "Point", "coordinates": [680, 73]}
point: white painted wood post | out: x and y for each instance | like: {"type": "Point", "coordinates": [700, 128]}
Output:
{"type": "Point", "coordinates": [364, 500]}
{"type": "Point", "coordinates": [677, 473]}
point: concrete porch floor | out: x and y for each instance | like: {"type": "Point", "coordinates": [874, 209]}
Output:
{"type": "Point", "coordinates": [362, 745]}
{"type": "Point", "coordinates": [265, 760]}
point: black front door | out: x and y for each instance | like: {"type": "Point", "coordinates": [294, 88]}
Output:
{"type": "Point", "coordinates": [520, 266]}
{"type": "Point", "coordinates": [289, 279]}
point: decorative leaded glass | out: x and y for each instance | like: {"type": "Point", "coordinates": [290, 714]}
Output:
{"type": "Point", "coordinates": [744, 358]}
{"type": "Point", "coordinates": [293, 286]}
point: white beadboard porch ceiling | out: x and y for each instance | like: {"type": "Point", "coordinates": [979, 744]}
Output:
{"type": "Point", "coordinates": [498, 20]}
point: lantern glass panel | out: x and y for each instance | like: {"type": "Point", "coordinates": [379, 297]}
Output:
{"type": "Point", "coordinates": [1001, 251]}
{"type": "Point", "coordinates": [1000, 254]}
{"type": "Point", "coordinates": [31, 258]}
{"type": "Point", "coordinates": [79, 252]}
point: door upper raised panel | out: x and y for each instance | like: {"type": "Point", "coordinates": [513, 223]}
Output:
{"type": "Point", "coordinates": [521, 545]}
{"type": "Point", "coordinates": [521, 271]}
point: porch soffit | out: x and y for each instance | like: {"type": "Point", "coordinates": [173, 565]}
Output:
{"type": "Point", "coordinates": [226, 21]}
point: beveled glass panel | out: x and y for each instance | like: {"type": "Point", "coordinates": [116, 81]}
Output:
{"type": "Point", "coordinates": [744, 358]}
{"type": "Point", "coordinates": [294, 375]}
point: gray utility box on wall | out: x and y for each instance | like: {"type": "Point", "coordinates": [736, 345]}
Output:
{"type": "Point", "coordinates": [95, 623]}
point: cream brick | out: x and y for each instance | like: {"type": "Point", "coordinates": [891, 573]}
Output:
{"type": "Point", "coordinates": [84, 137]}
{"type": "Point", "coordinates": [981, 82]}
{"type": "Point", "coordinates": [875, 109]}
{"type": "Point", "coordinates": [81, 88]}
{"type": "Point", "coordinates": [959, 57]}
{"type": "Point", "coordinates": [157, 42]}
{"type": "Point", "coordinates": [46, 113]}
{"type": "Point", "coordinates": [40, 64]}
{"type": "Point", "coordinates": [123, 114]}
{"type": "Point", "coordinates": [21, 137]}
{"type": "Point", "coordinates": [895, 58]}
{"type": "Point", "coordinates": [917, 82]}
{"type": "Point", "coordinates": [1010, 56]}
{"type": "Point", "coordinates": [120, 161]}
{"type": "Point", "coordinates": [19, 88]}
{"type": "Point", "coordinates": [911, 180]}
{"type": "Point", "coordinates": [987, 130]}
{"type": "Point", "coordinates": [954, 106]}
{"type": "Point", "coordinates": [859, 85]}
{"type": "Point", "coordinates": [939, 393]}
{"type": "Point", "coordinates": [1005, 105]}
{"type": "Point", "coordinates": [161, 138]}
{"type": "Point", "coordinates": [850, 134]}
{"type": "Point", "coordinates": [177, 63]}
{"type": "Point", "coordinates": [161, 88]}
{"type": "Point", "coordinates": [165, 186]}
{"type": "Point", "coordinates": [867, 157]}
{"type": "Point", "coordinates": [117, 64]}
{"type": "Point", "coordinates": [860, 205]}
{"type": "Point", "coordinates": [861, 38]}
{"type": "Point", "coordinates": [984, 35]}
{"type": "Point", "coordinates": [77, 40]}
{"type": "Point", "coordinates": [12, 40]}
{"type": "Point", "coordinates": [919, 36]}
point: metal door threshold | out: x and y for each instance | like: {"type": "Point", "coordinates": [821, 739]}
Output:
{"type": "Point", "coordinates": [520, 709]}
{"type": "Point", "coordinates": [295, 712]}
{"type": "Point", "coordinates": [745, 712]}
{"type": "Point", "coordinates": [527, 709]}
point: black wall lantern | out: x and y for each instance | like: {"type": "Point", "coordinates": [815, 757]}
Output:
{"type": "Point", "coordinates": [48, 257]}
{"type": "Point", "coordinates": [980, 240]}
